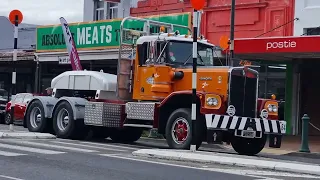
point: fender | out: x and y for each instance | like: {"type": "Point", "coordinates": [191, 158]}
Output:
{"type": "Point", "coordinates": [201, 98]}
{"type": "Point", "coordinates": [199, 94]}
{"type": "Point", "coordinates": [48, 103]}
{"type": "Point", "coordinates": [77, 104]}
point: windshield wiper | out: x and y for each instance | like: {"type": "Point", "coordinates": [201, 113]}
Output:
{"type": "Point", "coordinates": [197, 63]}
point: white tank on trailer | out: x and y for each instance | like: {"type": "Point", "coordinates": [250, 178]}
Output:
{"type": "Point", "coordinates": [85, 80]}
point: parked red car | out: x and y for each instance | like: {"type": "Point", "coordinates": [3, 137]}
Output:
{"type": "Point", "coordinates": [20, 100]}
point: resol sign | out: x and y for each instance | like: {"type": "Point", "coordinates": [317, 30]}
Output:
{"type": "Point", "coordinates": [98, 34]}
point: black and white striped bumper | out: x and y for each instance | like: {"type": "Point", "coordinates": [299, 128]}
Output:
{"type": "Point", "coordinates": [224, 122]}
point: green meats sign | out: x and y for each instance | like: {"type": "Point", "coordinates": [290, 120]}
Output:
{"type": "Point", "coordinates": [98, 35]}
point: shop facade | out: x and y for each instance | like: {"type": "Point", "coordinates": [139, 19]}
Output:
{"type": "Point", "coordinates": [295, 77]}
{"type": "Point", "coordinates": [97, 43]}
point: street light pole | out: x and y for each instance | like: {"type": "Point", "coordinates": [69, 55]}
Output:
{"type": "Point", "coordinates": [233, 7]}
{"type": "Point", "coordinates": [14, 72]}
{"type": "Point", "coordinates": [197, 5]}
{"type": "Point", "coordinates": [194, 78]}
{"type": "Point", "coordinates": [15, 18]}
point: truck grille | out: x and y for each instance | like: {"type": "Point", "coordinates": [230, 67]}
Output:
{"type": "Point", "coordinates": [243, 91]}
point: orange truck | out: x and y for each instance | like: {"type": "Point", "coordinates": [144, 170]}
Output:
{"type": "Point", "coordinates": [152, 90]}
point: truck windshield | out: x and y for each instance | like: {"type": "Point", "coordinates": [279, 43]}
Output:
{"type": "Point", "coordinates": [180, 53]}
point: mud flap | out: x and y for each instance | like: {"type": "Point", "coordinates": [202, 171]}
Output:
{"type": "Point", "coordinates": [214, 137]}
{"type": "Point", "coordinates": [275, 141]}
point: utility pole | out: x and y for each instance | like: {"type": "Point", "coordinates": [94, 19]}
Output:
{"type": "Point", "coordinates": [15, 18]}
{"type": "Point", "coordinates": [233, 7]}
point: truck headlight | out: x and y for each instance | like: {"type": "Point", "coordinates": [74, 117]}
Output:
{"type": "Point", "coordinates": [212, 101]}
{"type": "Point", "coordinates": [272, 108]}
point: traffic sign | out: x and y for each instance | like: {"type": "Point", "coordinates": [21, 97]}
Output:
{"type": "Point", "coordinates": [13, 14]}
{"type": "Point", "coordinates": [197, 4]}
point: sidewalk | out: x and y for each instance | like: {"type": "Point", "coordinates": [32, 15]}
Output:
{"type": "Point", "coordinates": [290, 144]}
{"type": "Point", "coordinates": [229, 159]}
{"type": "Point", "coordinates": [20, 133]}
{"type": "Point", "coordinates": [25, 135]}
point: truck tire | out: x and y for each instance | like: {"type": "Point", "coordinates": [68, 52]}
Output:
{"type": "Point", "coordinates": [64, 124]}
{"type": "Point", "coordinates": [98, 133]}
{"type": "Point", "coordinates": [179, 130]}
{"type": "Point", "coordinates": [126, 135]}
{"type": "Point", "coordinates": [35, 118]}
{"type": "Point", "coordinates": [248, 146]}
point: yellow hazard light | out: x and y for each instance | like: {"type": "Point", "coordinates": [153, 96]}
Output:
{"type": "Point", "coordinates": [273, 97]}
{"type": "Point", "coordinates": [162, 29]}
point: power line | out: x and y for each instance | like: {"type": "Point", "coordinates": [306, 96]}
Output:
{"type": "Point", "coordinates": [277, 27]}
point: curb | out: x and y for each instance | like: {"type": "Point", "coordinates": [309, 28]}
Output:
{"type": "Point", "coordinates": [26, 135]}
{"type": "Point", "coordinates": [304, 155]}
{"type": "Point", "coordinates": [218, 158]}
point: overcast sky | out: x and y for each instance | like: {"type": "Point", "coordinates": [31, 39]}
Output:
{"type": "Point", "coordinates": [43, 12]}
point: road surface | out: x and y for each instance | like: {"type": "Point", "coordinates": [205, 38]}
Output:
{"type": "Point", "coordinates": [71, 159]}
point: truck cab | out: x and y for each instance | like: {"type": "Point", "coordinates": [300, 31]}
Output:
{"type": "Point", "coordinates": [153, 90]}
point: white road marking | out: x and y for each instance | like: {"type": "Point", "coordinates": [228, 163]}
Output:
{"type": "Point", "coordinates": [29, 149]}
{"type": "Point", "coordinates": [90, 146]}
{"type": "Point", "coordinates": [57, 146]}
{"type": "Point", "coordinates": [190, 167]}
{"type": "Point", "coordinates": [5, 153]}
{"type": "Point", "coordinates": [262, 173]}
{"type": "Point", "coordinates": [10, 177]}
{"type": "Point", "coordinates": [111, 154]}
{"type": "Point", "coordinates": [101, 144]}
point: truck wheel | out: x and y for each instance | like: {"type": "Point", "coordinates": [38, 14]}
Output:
{"type": "Point", "coordinates": [126, 135]}
{"type": "Point", "coordinates": [248, 146]}
{"type": "Point", "coordinates": [35, 118]}
{"type": "Point", "coordinates": [179, 130]}
{"type": "Point", "coordinates": [64, 124]}
{"type": "Point", "coordinates": [98, 133]}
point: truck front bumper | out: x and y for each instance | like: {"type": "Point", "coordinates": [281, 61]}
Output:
{"type": "Point", "coordinates": [235, 123]}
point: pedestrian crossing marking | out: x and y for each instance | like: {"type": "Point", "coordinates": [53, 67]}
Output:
{"type": "Point", "coordinates": [5, 153]}
{"type": "Point", "coordinates": [109, 145]}
{"type": "Point", "coordinates": [90, 146]}
{"type": "Point", "coordinates": [57, 146]}
{"type": "Point", "coordinates": [13, 147]}
{"type": "Point", "coordinates": [30, 149]}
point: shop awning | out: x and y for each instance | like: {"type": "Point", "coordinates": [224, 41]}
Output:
{"type": "Point", "coordinates": [278, 48]}
{"type": "Point", "coordinates": [83, 55]}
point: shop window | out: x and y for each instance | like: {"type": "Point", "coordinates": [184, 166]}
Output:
{"type": "Point", "coordinates": [99, 10]}
{"type": "Point", "coordinates": [312, 31]}
{"type": "Point", "coordinates": [113, 10]}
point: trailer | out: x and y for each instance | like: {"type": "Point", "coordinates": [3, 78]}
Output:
{"type": "Point", "coordinates": [152, 89]}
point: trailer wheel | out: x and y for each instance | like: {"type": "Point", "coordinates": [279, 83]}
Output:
{"type": "Point", "coordinates": [248, 146]}
{"type": "Point", "coordinates": [35, 118]}
{"type": "Point", "coordinates": [64, 124]}
{"type": "Point", "coordinates": [126, 135]}
{"type": "Point", "coordinates": [179, 130]}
